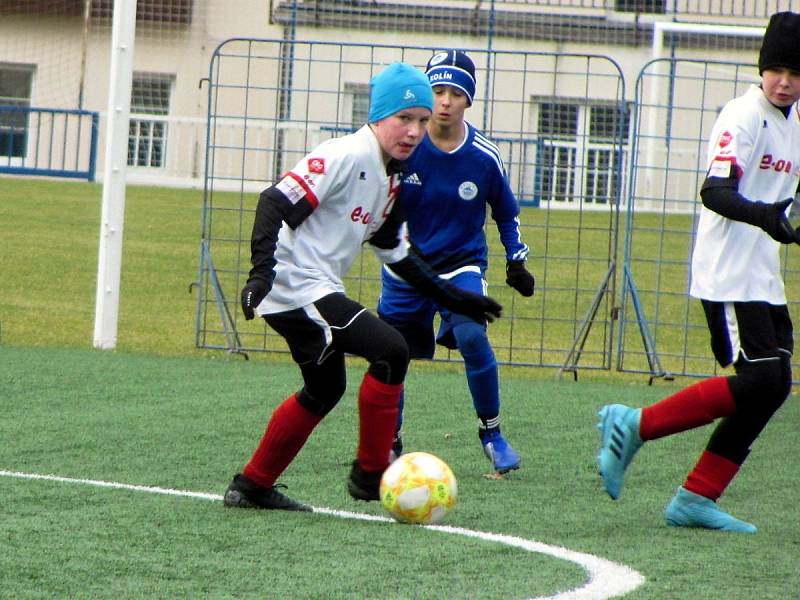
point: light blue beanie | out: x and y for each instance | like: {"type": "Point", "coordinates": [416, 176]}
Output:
{"type": "Point", "coordinates": [397, 87]}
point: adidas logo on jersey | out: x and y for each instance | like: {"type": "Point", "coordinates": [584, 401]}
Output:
{"type": "Point", "coordinates": [413, 179]}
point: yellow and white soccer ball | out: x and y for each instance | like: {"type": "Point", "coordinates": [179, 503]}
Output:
{"type": "Point", "coordinates": [418, 488]}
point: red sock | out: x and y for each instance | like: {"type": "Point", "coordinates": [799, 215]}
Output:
{"type": "Point", "coordinates": [287, 431]}
{"type": "Point", "coordinates": [377, 410]}
{"type": "Point", "coordinates": [711, 475]}
{"type": "Point", "coordinates": [696, 405]}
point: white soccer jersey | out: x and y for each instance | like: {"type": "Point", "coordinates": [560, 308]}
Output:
{"type": "Point", "coordinates": [733, 261]}
{"type": "Point", "coordinates": [346, 182]}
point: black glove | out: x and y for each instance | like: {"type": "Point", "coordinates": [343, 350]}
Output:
{"type": "Point", "coordinates": [474, 306]}
{"type": "Point", "coordinates": [419, 274]}
{"type": "Point", "coordinates": [772, 219]}
{"type": "Point", "coordinates": [519, 278]}
{"type": "Point", "coordinates": [253, 293]}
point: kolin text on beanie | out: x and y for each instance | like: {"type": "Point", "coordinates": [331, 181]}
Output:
{"type": "Point", "coordinates": [454, 68]}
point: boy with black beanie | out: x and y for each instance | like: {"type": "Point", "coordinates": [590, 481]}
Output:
{"type": "Point", "coordinates": [753, 160]}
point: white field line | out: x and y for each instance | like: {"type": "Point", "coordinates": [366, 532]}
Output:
{"type": "Point", "coordinates": [605, 579]}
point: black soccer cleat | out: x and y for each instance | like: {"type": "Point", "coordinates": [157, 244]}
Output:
{"type": "Point", "coordinates": [363, 485]}
{"type": "Point", "coordinates": [244, 493]}
{"type": "Point", "coordinates": [397, 448]}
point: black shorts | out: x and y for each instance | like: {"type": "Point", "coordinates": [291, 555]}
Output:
{"type": "Point", "coordinates": [752, 330]}
{"type": "Point", "coordinates": [336, 324]}
{"type": "Point", "coordinates": [309, 331]}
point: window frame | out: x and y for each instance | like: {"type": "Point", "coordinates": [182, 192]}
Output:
{"type": "Point", "coordinates": [15, 123]}
{"type": "Point", "coordinates": [148, 135]}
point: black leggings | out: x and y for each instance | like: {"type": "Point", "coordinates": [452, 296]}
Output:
{"type": "Point", "coordinates": [759, 389]}
{"type": "Point", "coordinates": [760, 351]}
{"type": "Point", "coordinates": [319, 336]}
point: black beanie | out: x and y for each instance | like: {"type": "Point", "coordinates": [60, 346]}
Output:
{"type": "Point", "coordinates": [781, 45]}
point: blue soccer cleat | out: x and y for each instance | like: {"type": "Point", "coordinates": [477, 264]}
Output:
{"type": "Point", "coordinates": [688, 509]}
{"type": "Point", "coordinates": [498, 450]}
{"type": "Point", "coordinates": [619, 441]}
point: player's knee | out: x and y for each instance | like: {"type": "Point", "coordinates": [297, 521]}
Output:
{"type": "Point", "coordinates": [760, 385]}
{"type": "Point", "coordinates": [471, 338]}
{"type": "Point", "coordinates": [391, 364]}
{"type": "Point", "coordinates": [321, 400]}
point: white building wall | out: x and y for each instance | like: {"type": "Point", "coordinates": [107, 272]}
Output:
{"type": "Point", "coordinates": [54, 45]}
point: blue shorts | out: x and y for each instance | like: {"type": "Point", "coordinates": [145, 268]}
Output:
{"type": "Point", "coordinates": [411, 313]}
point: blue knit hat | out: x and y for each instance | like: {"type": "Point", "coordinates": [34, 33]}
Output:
{"type": "Point", "coordinates": [397, 87]}
{"type": "Point", "coordinates": [453, 67]}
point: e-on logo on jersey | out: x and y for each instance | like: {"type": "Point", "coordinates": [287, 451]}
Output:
{"type": "Point", "coordinates": [779, 165]}
{"type": "Point", "coordinates": [467, 191]}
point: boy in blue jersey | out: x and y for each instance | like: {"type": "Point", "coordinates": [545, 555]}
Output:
{"type": "Point", "coordinates": [448, 183]}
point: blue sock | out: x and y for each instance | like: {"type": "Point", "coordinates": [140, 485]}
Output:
{"type": "Point", "coordinates": [481, 368]}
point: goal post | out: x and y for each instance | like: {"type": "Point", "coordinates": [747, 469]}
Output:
{"type": "Point", "coordinates": [109, 264]}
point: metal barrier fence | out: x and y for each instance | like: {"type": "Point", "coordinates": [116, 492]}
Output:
{"type": "Point", "coordinates": [676, 102]}
{"type": "Point", "coordinates": [608, 188]}
{"type": "Point", "coordinates": [48, 141]}
{"type": "Point", "coordinates": [562, 153]}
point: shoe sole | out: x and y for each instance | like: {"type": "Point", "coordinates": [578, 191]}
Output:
{"type": "Point", "coordinates": [741, 527]}
{"type": "Point", "coordinates": [505, 470]}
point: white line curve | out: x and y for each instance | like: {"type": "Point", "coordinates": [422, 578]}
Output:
{"type": "Point", "coordinates": [606, 579]}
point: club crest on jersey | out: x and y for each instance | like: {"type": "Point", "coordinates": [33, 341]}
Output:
{"type": "Point", "coordinates": [467, 191]}
{"type": "Point", "coordinates": [316, 165]}
{"type": "Point", "coordinates": [725, 138]}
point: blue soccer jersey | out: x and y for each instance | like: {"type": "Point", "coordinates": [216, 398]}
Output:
{"type": "Point", "coordinates": [444, 196]}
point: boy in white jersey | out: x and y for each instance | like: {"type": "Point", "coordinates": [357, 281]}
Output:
{"type": "Point", "coordinates": [753, 169]}
{"type": "Point", "coordinates": [335, 199]}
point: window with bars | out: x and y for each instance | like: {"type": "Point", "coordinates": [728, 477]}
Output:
{"type": "Point", "coordinates": [579, 151]}
{"type": "Point", "coordinates": [359, 103]}
{"type": "Point", "coordinates": [16, 83]}
{"type": "Point", "coordinates": [640, 6]}
{"type": "Point", "coordinates": [147, 137]}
